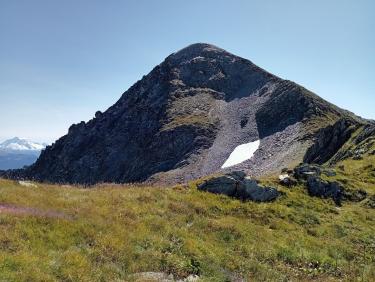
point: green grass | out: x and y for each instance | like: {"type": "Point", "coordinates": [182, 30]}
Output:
{"type": "Point", "coordinates": [200, 119]}
{"type": "Point", "coordinates": [357, 174]}
{"type": "Point", "coordinates": [111, 232]}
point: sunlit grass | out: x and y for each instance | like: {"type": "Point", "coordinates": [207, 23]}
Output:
{"type": "Point", "coordinates": [111, 232]}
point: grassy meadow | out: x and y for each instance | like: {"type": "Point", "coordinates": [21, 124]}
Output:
{"type": "Point", "coordinates": [109, 232]}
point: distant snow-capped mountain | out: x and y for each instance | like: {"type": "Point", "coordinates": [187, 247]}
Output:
{"type": "Point", "coordinates": [19, 152]}
{"type": "Point", "coordinates": [21, 144]}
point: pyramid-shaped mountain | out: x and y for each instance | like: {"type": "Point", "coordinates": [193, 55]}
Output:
{"type": "Point", "coordinates": [187, 117]}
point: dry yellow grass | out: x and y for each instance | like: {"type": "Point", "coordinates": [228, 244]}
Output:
{"type": "Point", "coordinates": [109, 232]}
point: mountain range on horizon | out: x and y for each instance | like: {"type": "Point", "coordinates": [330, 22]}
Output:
{"type": "Point", "coordinates": [19, 152]}
{"type": "Point", "coordinates": [21, 144]}
{"type": "Point", "coordinates": [189, 115]}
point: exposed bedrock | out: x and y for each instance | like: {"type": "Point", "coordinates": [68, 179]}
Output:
{"type": "Point", "coordinates": [237, 185]}
{"type": "Point", "coordinates": [329, 140]}
{"type": "Point", "coordinates": [317, 180]}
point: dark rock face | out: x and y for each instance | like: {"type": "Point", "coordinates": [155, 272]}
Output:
{"type": "Point", "coordinates": [236, 185]}
{"type": "Point", "coordinates": [288, 105]}
{"type": "Point", "coordinates": [329, 140]}
{"type": "Point", "coordinates": [184, 119]}
{"type": "Point", "coordinates": [360, 145]}
{"type": "Point", "coordinates": [367, 132]}
{"type": "Point", "coordinates": [324, 189]}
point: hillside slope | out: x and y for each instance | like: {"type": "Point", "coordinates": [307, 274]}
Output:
{"type": "Point", "coordinates": [120, 233]}
{"type": "Point", "coordinates": [184, 119]}
{"type": "Point", "coordinates": [141, 233]}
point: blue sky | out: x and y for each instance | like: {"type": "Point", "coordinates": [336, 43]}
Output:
{"type": "Point", "coordinates": [60, 61]}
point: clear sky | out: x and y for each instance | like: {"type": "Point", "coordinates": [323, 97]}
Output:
{"type": "Point", "coordinates": [60, 61]}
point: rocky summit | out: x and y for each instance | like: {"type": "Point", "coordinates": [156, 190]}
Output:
{"type": "Point", "coordinates": [187, 116]}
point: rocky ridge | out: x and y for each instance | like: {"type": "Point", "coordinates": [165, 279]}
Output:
{"type": "Point", "coordinates": [183, 119]}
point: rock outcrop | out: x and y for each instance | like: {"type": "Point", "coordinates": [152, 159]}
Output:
{"type": "Point", "coordinates": [310, 175]}
{"type": "Point", "coordinates": [237, 185]}
{"type": "Point", "coordinates": [360, 145]}
{"type": "Point", "coordinates": [329, 140]}
{"type": "Point", "coordinates": [325, 189]}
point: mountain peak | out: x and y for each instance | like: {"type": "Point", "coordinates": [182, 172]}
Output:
{"type": "Point", "coordinates": [200, 47]}
{"type": "Point", "coordinates": [185, 119]}
{"type": "Point", "coordinates": [15, 139]}
{"type": "Point", "coordinates": [198, 50]}
{"type": "Point", "coordinates": [21, 144]}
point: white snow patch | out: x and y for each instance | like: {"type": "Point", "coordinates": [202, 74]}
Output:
{"type": "Point", "coordinates": [241, 153]}
{"type": "Point", "coordinates": [37, 146]}
{"type": "Point", "coordinates": [17, 147]}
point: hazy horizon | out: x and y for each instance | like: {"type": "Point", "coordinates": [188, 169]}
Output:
{"type": "Point", "coordinates": [61, 62]}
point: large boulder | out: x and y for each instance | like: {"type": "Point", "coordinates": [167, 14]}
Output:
{"type": "Point", "coordinates": [225, 184]}
{"type": "Point", "coordinates": [320, 188]}
{"type": "Point", "coordinates": [235, 184]}
{"type": "Point", "coordinates": [254, 192]}
{"type": "Point", "coordinates": [304, 171]}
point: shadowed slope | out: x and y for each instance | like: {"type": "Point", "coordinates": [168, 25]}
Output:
{"type": "Point", "coordinates": [182, 121]}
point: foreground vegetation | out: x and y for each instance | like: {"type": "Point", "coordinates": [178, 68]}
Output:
{"type": "Point", "coordinates": [109, 232]}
